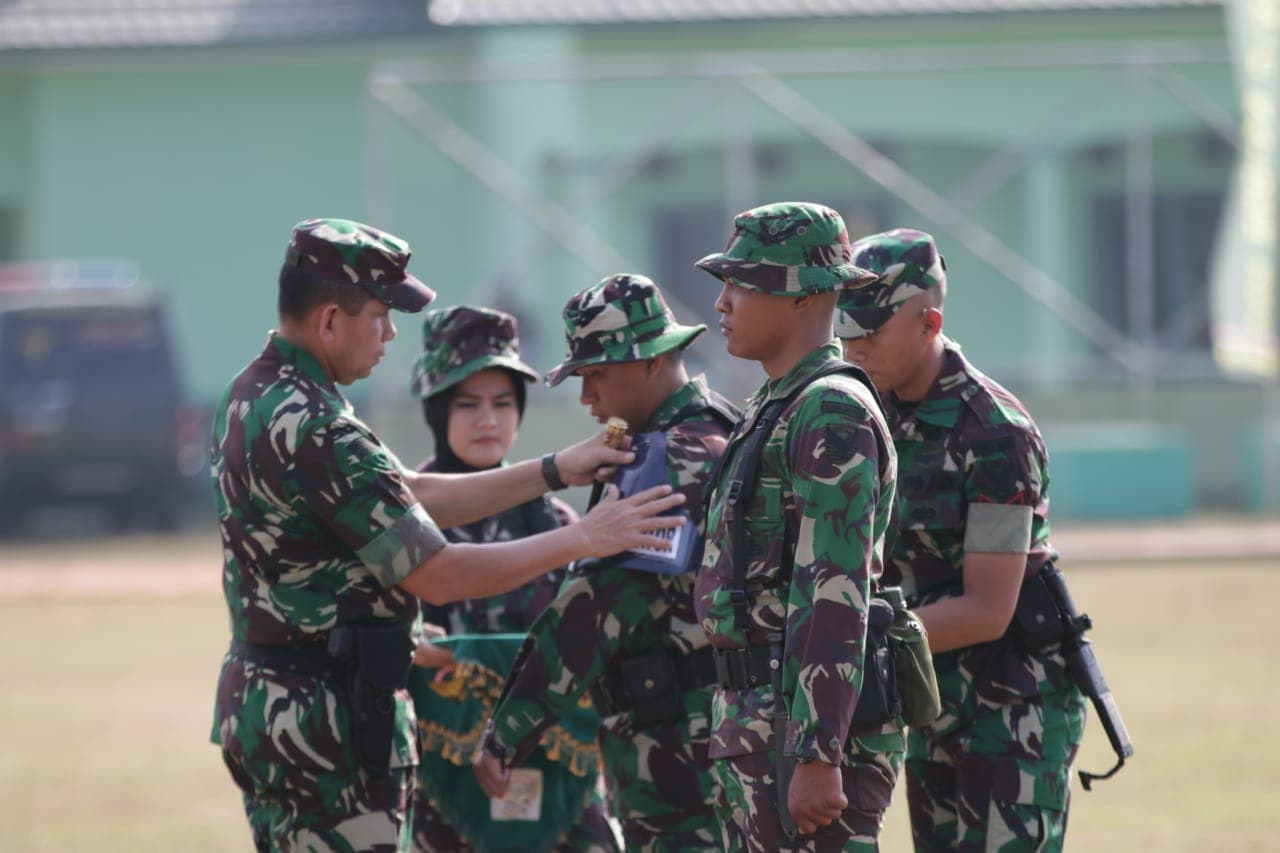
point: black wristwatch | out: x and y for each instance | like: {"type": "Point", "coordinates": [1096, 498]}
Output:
{"type": "Point", "coordinates": [550, 474]}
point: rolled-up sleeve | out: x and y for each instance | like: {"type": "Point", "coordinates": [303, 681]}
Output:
{"type": "Point", "coordinates": [402, 547]}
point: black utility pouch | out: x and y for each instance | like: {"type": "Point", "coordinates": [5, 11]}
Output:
{"type": "Point", "coordinates": [383, 656]}
{"type": "Point", "coordinates": [879, 702]}
{"type": "Point", "coordinates": [1036, 621]}
{"type": "Point", "coordinates": [651, 687]}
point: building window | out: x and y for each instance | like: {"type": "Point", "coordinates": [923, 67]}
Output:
{"type": "Point", "coordinates": [1185, 225]}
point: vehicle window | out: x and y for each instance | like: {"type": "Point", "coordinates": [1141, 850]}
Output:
{"type": "Point", "coordinates": [86, 346]}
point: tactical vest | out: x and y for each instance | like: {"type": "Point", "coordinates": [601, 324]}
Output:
{"type": "Point", "coordinates": [747, 475]}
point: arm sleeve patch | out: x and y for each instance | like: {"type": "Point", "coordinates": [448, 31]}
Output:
{"type": "Point", "coordinates": [402, 547]}
{"type": "Point", "coordinates": [998, 528]}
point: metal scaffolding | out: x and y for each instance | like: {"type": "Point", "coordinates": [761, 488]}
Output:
{"type": "Point", "coordinates": [399, 88]}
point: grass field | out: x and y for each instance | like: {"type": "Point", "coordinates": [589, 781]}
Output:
{"type": "Point", "coordinates": [107, 700]}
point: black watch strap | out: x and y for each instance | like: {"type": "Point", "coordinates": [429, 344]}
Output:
{"type": "Point", "coordinates": [550, 474]}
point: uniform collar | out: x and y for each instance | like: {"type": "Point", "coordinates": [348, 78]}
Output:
{"type": "Point", "coordinates": [298, 358]}
{"type": "Point", "coordinates": [692, 393]}
{"type": "Point", "coordinates": [798, 375]}
{"type": "Point", "coordinates": [951, 389]}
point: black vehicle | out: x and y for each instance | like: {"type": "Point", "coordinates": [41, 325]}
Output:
{"type": "Point", "coordinates": [91, 402]}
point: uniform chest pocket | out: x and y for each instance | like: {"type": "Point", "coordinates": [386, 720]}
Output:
{"type": "Point", "coordinates": [932, 514]}
{"type": "Point", "coordinates": [765, 510]}
{"type": "Point", "coordinates": [932, 502]}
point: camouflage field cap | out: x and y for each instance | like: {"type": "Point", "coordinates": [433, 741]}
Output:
{"type": "Point", "coordinates": [787, 249]}
{"type": "Point", "coordinates": [623, 318]}
{"type": "Point", "coordinates": [906, 262]}
{"type": "Point", "coordinates": [354, 253]}
{"type": "Point", "coordinates": [462, 340]}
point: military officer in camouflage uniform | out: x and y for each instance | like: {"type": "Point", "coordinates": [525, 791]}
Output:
{"type": "Point", "coordinates": [992, 773]}
{"type": "Point", "coordinates": [625, 346]}
{"type": "Point", "coordinates": [328, 542]}
{"type": "Point", "coordinates": [472, 383]}
{"type": "Point", "coordinates": [814, 535]}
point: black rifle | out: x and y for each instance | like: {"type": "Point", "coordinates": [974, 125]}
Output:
{"type": "Point", "coordinates": [1046, 614]}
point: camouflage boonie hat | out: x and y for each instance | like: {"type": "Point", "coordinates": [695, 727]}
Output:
{"type": "Point", "coordinates": [462, 340]}
{"type": "Point", "coordinates": [907, 264]}
{"type": "Point", "coordinates": [623, 318]}
{"type": "Point", "coordinates": [350, 252]}
{"type": "Point", "coordinates": [787, 249]}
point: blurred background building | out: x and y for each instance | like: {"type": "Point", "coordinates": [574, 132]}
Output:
{"type": "Point", "coordinates": [1100, 174]}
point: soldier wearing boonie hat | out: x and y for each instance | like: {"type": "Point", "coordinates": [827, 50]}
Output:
{"type": "Point", "coordinates": [327, 546]}
{"type": "Point", "coordinates": [622, 318]}
{"type": "Point", "coordinates": [609, 622]}
{"type": "Point", "coordinates": [460, 341]}
{"type": "Point", "coordinates": [472, 383]}
{"type": "Point", "coordinates": [972, 523]}
{"type": "Point", "coordinates": [788, 616]}
{"type": "Point", "coordinates": [788, 249]}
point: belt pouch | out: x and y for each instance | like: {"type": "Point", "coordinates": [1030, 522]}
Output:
{"type": "Point", "coordinates": [913, 665]}
{"type": "Point", "coordinates": [652, 688]}
{"type": "Point", "coordinates": [879, 701]}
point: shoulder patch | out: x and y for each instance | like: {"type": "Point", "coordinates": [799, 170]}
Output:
{"type": "Point", "coordinates": [841, 407]}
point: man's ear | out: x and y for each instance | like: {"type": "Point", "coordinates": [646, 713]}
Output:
{"type": "Point", "coordinates": [932, 319]}
{"type": "Point", "coordinates": [806, 301]}
{"type": "Point", "coordinates": [325, 316]}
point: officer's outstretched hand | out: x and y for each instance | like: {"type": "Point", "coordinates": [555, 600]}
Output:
{"type": "Point", "coordinates": [816, 797]}
{"type": "Point", "coordinates": [493, 777]}
{"type": "Point", "coordinates": [615, 525]}
{"type": "Point", "coordinates": [589, 460]}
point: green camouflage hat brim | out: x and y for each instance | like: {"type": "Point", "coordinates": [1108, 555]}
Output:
{"type": "Point", "coordinates": [853, 324]}
{"type": "Point", "coordinates": [676, 337]}
{"type": "Point", "coordinates": [409, 295]}
{"type": "Point", "coordinates": [781, 280]}
{"type": "Point", "coordinates": [467, 370]}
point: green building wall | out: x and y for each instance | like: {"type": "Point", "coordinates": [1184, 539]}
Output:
{"type": "Point", "coordinates": [196, 163]}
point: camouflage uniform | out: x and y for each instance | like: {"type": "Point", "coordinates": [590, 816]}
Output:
{"type": "Point", "coordinates": [457, 343]}
{"type": "Point", "coordinates": [660, 773]}
{"type": "Point", "coordinates": [993, 772]}
{"type": "Point", "coordinates": [318, 527]}
{"type": "Point", "coordinates": [815, 531]}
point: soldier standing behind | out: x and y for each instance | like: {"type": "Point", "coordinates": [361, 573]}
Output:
{"type": "Point", "coordinates": [993, 772]}
{"type": "Point", "coordinates": [790, 637]}
{"type": "Point", "coordinates": [472, 383]}
{"type": "Point", "coordinates": [327, 540]}
{"type": "Point", "coordinates": [630, 636]}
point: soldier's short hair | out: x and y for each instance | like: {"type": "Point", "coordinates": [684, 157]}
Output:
{"type": "Point", "coordinates": [300, 292]}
